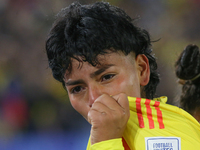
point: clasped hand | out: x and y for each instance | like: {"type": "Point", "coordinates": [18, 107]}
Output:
{"type": "Point", "coordinates": [108, 117]}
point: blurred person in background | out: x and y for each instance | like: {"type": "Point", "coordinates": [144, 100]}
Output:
{"type": "Point", "coordinates": [104, 62]}
{"type": "Point", "coordinates": [188, 72]}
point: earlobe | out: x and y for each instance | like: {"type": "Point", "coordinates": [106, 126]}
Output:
{"type": "Point", "coordinates": [143, 69]}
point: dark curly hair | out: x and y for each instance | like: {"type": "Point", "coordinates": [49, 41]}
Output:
{"type": "Point", "coordinates": [83, 32]}
{"type": "Point", "coordinates": [188, 69]}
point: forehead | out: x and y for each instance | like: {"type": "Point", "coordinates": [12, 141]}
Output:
{"type": "Point", "coordinates": [110, 59]}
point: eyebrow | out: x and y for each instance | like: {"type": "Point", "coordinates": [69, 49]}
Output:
{"type": "Point", "coordinates": [69, 83]}
{"type": "Point", "coordinates": [92, 75]}
{"type": "Point", "coordinates": [101, 70]}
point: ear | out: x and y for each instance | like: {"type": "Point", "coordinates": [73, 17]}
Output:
{"type": "Point", "coordinates": [142, 63]}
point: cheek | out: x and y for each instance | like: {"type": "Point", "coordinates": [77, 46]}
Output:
{"type": "Point", "coordinates": [79, 106]}
{"type": "Point", "coordinates": [128, 85]}
{"type": "Point", "coordinates": [74, 104]}
{"type": "Point", "coordinates": [120, 86]}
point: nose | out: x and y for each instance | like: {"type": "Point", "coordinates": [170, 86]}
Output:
{"type": "Point", "coordinates": [94, 92]}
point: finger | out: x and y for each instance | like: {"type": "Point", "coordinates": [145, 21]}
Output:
{"type": "Point", "coordinates": [118, 104]}
{"type": "Point", "coordinates": [100, 107]}
{"type": "Point", "coordinates": [108, 101]}
{"type": "Point", "coordinates": [122, 100]}
{"type": "Point", "coordinates": [92, 114]}
{"type": "Point", "coordinates": [97, 112]}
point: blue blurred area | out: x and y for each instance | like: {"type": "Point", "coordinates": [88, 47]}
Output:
{"type": "Point", "coordinates": [36, 121]}
{"type": "Point", "coordinates": [68, 140]}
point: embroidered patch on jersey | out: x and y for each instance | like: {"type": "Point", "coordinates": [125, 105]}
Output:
{"type": "Point", "coordinates": [163, 143]}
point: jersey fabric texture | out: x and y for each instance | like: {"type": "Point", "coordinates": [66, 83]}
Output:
{"type": "Point", "coordinates": [155, 125]}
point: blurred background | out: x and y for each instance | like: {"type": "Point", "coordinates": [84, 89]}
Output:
{"type": "Point", "coordinates": [35, 113]}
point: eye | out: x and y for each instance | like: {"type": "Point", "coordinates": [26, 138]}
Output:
{"type": "Point", "coordinates": [107, 77]}
{"type": "Point", "coordinates": [76, 90]}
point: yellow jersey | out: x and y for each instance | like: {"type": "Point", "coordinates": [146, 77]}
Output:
{"type": "Point", "coordinates": [155, 125]}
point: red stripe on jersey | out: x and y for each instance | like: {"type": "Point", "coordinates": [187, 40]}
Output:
{"type": "Point", "coordinates": [126, 147]}
{"type": "Point", "coordinates": [139, 113]}
{"type": "Point", "coordinates": [159, 115]}
{"type": "Point", "coordinates": [149, 114]}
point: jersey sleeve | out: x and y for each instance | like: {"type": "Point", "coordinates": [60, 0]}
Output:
{"type": "Point", "coordinates": [113, 144]}
{"type": "Point", "coordinates": [155, 125]}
